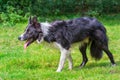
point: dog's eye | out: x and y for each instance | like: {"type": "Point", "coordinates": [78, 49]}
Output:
{"type": "Point", "coordinates": [28, 30]}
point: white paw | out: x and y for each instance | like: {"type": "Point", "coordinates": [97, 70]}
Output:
{"type": "Point", "coordinates": [70, 68]}
{"type": "Point", "coordinates": [38, 41]}
{"type": "Point", "coordinates": [58, 70]}
{"type": "Point", "coordinates": [113, 65]}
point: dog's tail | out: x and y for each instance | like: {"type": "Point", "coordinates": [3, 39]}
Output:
{"type": "Point", "coordinates": [100, 39]}
{"type": "Point", "coordinates": [95, 51]}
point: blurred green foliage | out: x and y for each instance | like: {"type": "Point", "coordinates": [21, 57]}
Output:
{"type": "Point", "coordinates": [14, 11]}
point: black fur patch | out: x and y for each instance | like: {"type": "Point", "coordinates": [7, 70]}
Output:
{"type": "Point", "coordinates": [76, 30]}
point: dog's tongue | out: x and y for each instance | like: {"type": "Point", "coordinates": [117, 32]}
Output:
{"type": "Point", "coordinates": [25, 45]}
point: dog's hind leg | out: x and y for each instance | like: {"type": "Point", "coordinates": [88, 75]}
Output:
{"type": "Point", "coordinates": [101, 42]}
{"type": "Point", "coordinates": [84, 56]}
{"type": "Point", "coordinates": [109, 54]}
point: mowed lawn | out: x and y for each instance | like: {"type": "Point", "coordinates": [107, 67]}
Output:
{"type": "Point", "coordinates": [40, 61]}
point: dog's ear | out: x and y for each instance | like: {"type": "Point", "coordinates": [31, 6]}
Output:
{"type": "Point", "coordinates": [34, 20]}
{"type": "Point", "coordinates": [29, 20]}
{"type": "Point", "coordinates": [36, 24]}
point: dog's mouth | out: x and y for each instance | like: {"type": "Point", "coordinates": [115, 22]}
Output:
{"type": "Point", "coordinates": [27, 43]}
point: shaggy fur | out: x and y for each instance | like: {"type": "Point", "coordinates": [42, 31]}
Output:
{"type": "Point", "coordinates": [88, 31]}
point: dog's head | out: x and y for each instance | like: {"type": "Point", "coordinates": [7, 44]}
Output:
{"type": "Point", "coordinates": [32, 32]}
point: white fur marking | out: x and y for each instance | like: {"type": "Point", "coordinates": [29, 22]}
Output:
{"type": "Point", "coordinates": [82, 64]}
{"type": "Point", "coordinates": [85, 18]}
{"type": "Point", "coordinates": [64, 54]}
{"type": "Point", "coordinates": [62, 59]}
{"type": "Point", "coordinates": [21, 36]}
{"type": "Point", "coordinates": [45, 27]}
{"type": "Point", "coordinates": [40, 40]}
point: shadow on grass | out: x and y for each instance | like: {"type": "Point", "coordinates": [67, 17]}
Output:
{"type": "Point", "coordinates": [96, 65]}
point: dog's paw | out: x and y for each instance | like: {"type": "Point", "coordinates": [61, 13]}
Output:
{"type": "Point", "coordinates": [70, 68]}
{"type": "Point", "coordinates": [58, 70]}
{"type": "Point", "coordinates": [113, 65]}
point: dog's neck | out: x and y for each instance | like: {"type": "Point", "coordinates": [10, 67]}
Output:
{"type": "Point", "coordinates": [45, 27]}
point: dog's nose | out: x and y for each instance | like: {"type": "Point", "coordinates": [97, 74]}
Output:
{"type": "Point", "coordinates": [19, 38]}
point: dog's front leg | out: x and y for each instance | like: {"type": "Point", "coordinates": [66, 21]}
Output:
{"type": "Point", "coordinates": [70, 61]}
{"type": "Point", "coordinates": [63, 57]}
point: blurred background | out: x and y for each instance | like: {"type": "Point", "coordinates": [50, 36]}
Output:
{"type": "Point", "coordinates": [15, 11]}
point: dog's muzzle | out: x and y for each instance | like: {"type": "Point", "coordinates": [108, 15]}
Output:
{"type": "Point", "coordinates": [21, 38]}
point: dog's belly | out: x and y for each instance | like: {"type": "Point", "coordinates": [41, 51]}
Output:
{"type": "Point", "coordinates": [82, 42]}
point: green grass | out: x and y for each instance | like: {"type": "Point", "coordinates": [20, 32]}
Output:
{"type": "Point", "coordinates": [40, 61]}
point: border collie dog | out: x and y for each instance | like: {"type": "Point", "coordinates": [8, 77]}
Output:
{"type": "Point", "coordinates": [89, 31]}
